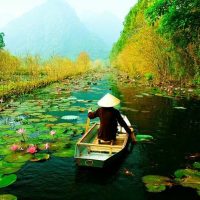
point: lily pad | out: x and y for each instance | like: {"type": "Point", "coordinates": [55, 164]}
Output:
{"type": "Point", "coordinates": [65, 153]}
{"type": "Point", "coordinates": [17, 157]}
{"type": "Point", "coordinates": [5, 151]}
{"type": "Point", "coordinates": [151, 179]}
{"type": "Point", "coordinates": [7, 180]}
{"type": "Point", "coordinates": [186, 172]}
{"type": "Point", "coordinates": [8, 197]}
{"type": "Point", "coordinates": [40, 157]}
{"type": "Point", "coordinates": [70, 117]}
{"type": "Point", "coordinates": [143, 138]}
{"type": "Point", "coordinates": [9, 168]}
{"type": "Point", "coordinates": [155, 188]}
{"type": "Point", "coordinates": [155, 183]}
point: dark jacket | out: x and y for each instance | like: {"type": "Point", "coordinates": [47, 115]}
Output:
{"type": "Point", "coordinates": [109, 119]}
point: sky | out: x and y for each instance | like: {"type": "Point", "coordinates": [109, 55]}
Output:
{"type": "Point", "coordinates": [10, 9]}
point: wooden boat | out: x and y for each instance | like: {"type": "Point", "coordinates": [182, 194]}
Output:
{"type": "Point", "coordinates": [88, 151]}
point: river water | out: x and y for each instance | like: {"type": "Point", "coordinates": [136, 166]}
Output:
{"type": "Point", "coordinates": [176, 135]}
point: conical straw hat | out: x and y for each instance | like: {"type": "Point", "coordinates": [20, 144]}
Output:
{"type": "Point", "coordinates": [108, 101]}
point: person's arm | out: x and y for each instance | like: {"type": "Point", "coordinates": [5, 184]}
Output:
{"type": "Point", "coordinates": [94, 114]}
{"type": "Point", "coordinates": [125, 126]}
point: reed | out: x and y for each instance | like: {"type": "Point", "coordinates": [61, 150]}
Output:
{"type": "Point", "coordinates": [22, 75]}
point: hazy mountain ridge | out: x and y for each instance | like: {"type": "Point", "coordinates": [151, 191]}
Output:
{"type": "Point", "coordinates": [52, 28]}
{"type": "Point", "coordinates": [106, 25]}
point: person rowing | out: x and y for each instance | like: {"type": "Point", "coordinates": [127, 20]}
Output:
{"type": "Point", "coordinates": [109, 120]}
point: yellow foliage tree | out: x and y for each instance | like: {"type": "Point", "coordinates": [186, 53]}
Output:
{"type": "Point", "coordinates": [83, 61]}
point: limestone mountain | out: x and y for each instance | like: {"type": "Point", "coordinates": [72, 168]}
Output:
{"type": "Point", "coordinates": [52, 28]}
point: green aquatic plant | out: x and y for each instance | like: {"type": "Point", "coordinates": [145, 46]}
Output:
{"type": "Point", "coordinates": [17, 157]}
{"type": "Point", "coordinates": [70, 117]}
{"type": "Point", "coordinates": [39, 157]}
{"type": "Point", "coordinates": [6, 180]}
{"type": "Point", "coordinates": [64, 153]}
{"type": "Point", "coordinates": [9, 168]}
{"type": "Point", "coordinates": [144, 138]}
{"type": "Point", "coordinates": [180, 173]}
{"type": "Point", "coordinates": [155, 183]}
{"type": "Point", "coordinates": [8, 197]}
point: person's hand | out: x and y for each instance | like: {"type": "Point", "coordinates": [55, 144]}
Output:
{"type": "Point", "coordinates": [133, 138]}
{"type": "Point", "coordinates": [90, 110]}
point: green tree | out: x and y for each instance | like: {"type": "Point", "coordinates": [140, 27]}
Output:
{"type": "Point", "coordinates": [2, 44]}
{"type": "Point", "coordinates": [179, 20]}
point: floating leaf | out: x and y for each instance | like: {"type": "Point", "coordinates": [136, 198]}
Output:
{"type": "Point", "coordinates": [156, 183]}
{"type": "Point", "coordinates": [155, 188]}
{"type": "Point", "coordinates": [142, 138]}
{"type": "Point", "coordinates": [7, 180]}
{"type": "Point", "coordinates": [190, 181]}
{"type": "Point", "coordinates": [9, 168]}
{"type": "Point", "coordinates": [65, 153]}
{"type": "Point", "coordinates": [70, 117]}
{"type": "Point", "coordinates": [5, 151]}
{"type": "Point", "coordinates": [155, 179]}
{"type": "Point", "coordinates": [186, 172]}
{"type": "Point", "coordinates": [40, 157]}
{"type": "Point", "coordinates": [34, 120]}
{"type": "Point", "coordinates": [8, 197]}
{"type": "Point", "coordinates": [17, 157]}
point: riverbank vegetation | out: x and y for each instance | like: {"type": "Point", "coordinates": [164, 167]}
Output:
{"type": "Point", "coordinates": [22, 75]}
{"type": "Point", "coordinates": [161, 43]}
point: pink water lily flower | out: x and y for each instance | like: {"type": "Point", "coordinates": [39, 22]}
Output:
{"type": "Point", "coordinates": [14, 147]}
{"type": "Point", "coordinates": [32, 150]}
{"type": "Point", "coordinates": [21, 131]}
{"type": "Point", "coordinates": [52, 132]}
{"type": "Point", "coordinates": [47, 146]}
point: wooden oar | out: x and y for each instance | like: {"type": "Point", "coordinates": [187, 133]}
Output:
{"type": "Point", "coordinates": [87, 124]}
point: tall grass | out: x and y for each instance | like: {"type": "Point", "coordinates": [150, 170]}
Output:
{"type": "Point", "coordinates": [21, 75]}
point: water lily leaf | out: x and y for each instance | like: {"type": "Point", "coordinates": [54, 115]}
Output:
{"type": "Point", "coordinates": [155, 179]}
{"type": "Point", "coordinates": [190, 181]}
{"type": "Point", "coordinates": [57, 146]}
{"type": "Point", "coordinates": [40, 157]}
{"type": "Point", "coordinates": [186, 172]}
{"type": "Point", "coordinates": [143, 138]}
{"type": "Point", "coordinates": [8, 197]}
{"type": "Point", "coordinates": [155, 188]}
{"type": "Point", "coordinates": [196, 165]}
{"type": "Point", "coordinates": [65, 153]}
{"type": "Point", "coordinates": [5, 151]}
{"type": "Point", "coordinates": [52, 119]}
{"type": "Point", "coordinates": [44, 137]}
{"type": "Point", "coordinates": [2, 127]}
{"type": "Point", "coordinates": [6, 180]}
{"type": "Point", "coordinates": [34, 120]}
{"type": "Point", "coordinates": [17, 157]}
{"type": "Point", "coordinates": [63, 125]}
{"type": "Point", "coordinates": [9, 170]}
{"type": "Point", "coordinates": [70, 117]}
